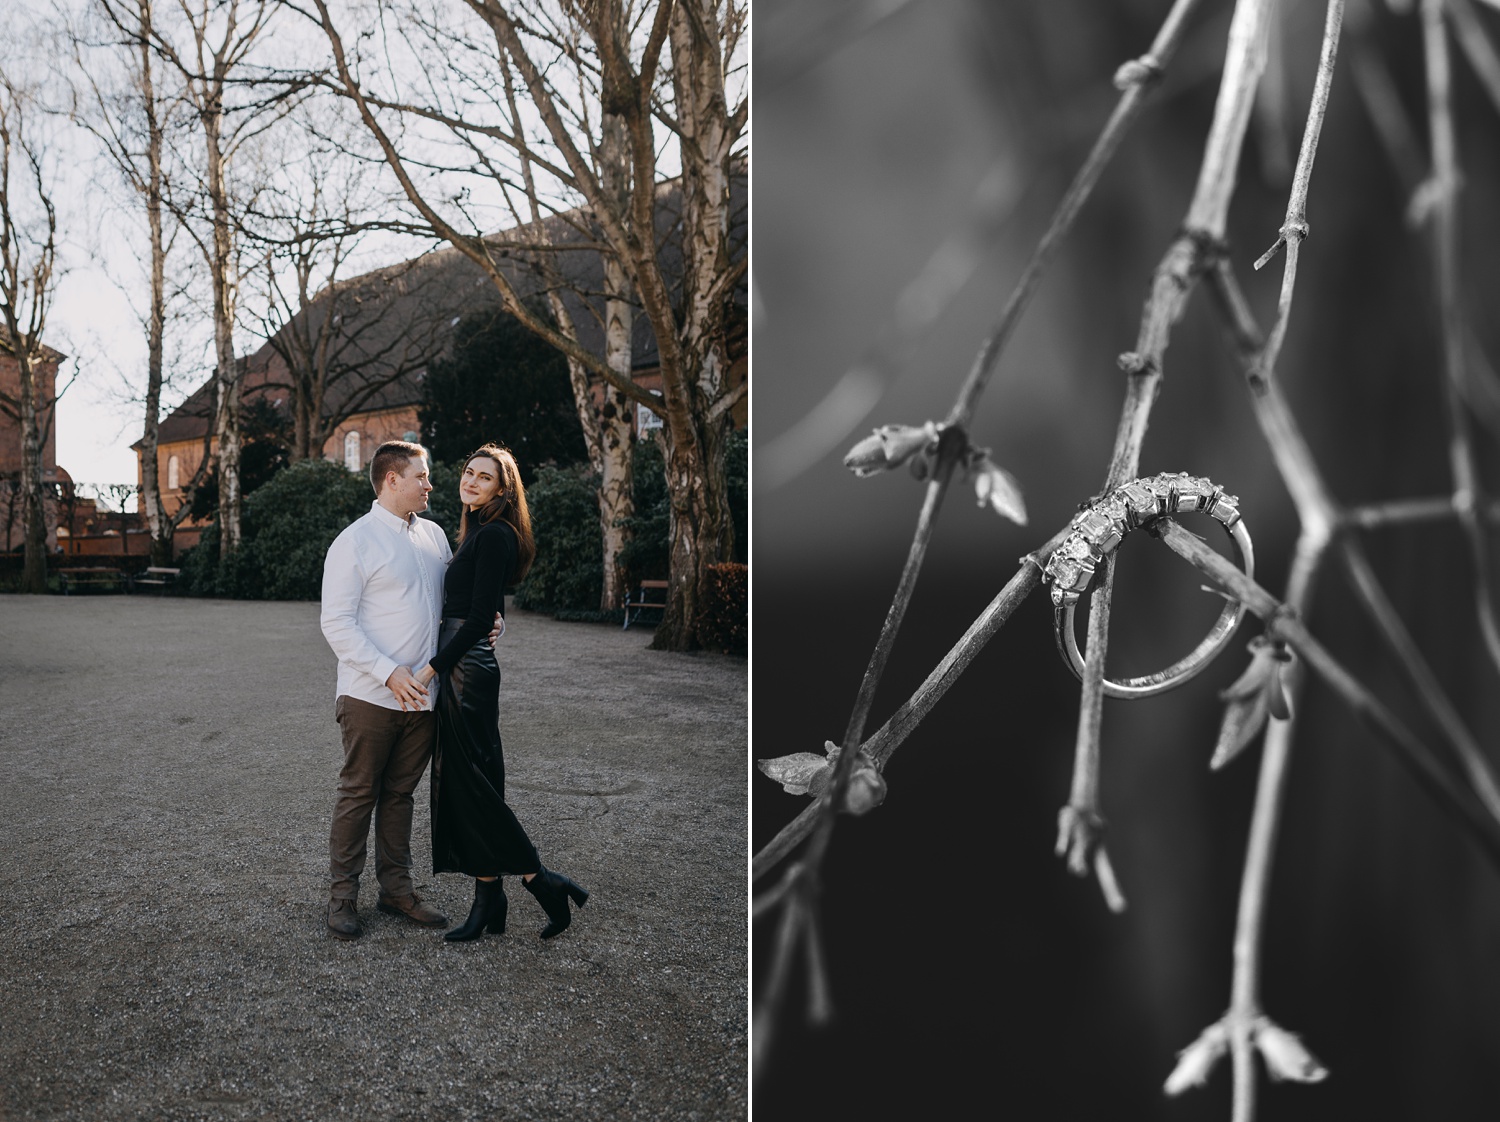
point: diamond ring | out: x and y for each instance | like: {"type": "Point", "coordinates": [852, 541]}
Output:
{"type": "Point", "coordinates": [1097, 530]}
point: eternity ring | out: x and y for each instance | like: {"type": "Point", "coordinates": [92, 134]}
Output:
{"type": "Point", "coordinates": [1097, 530]}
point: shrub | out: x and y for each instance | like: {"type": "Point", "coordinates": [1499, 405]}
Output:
{"type": "Point", "coordinates": [737, 483]}
{"type": "Point", "coordinates": [722, 622]}
{"type": "Point", "coordinates": [568, 571]}
{"type": "Point", "coordinates": [646, 554]}
{"type": "Point", "coordinates": [288, 523]}
{"type": "Point", "coordinates": [443, 506]}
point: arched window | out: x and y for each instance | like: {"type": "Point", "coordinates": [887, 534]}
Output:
{"type": "Point", "coordinates": [351, 451]}
{"type": "Point", "coordinates": [174, 473]}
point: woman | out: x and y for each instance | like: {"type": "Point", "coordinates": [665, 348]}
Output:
{"type": "Point", "coordinates": [473, 830]}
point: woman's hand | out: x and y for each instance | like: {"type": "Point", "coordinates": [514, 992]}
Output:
{"type": "Point", "coordinates": [425, 674]}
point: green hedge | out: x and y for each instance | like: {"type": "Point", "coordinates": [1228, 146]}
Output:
{"type": "Point", "coordinates": [722, 623]}
{"type": "Point", "coordinates": [569, 566]}
{"type": "Point", "coordinates": [287, 524]}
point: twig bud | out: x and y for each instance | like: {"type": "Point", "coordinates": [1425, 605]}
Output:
{"type": "Point", "coordinates": [866, 789]}
{"type": "Point", "coordinates": [1137, 72]}
{"type": "Point", "coordinates": [806, 773]}
{"type": "Point", "coordinates": [801, 773]}
{"type": "Point", "coordinates": [1285, 1055]}
{"type": "Point", "coordinates": [890, 446]}
{"type": "Point", "coordinates": [1256, 695]}
{"type": "Point", "coordinates": [1197, 1060]}
{"type": "Point", "coordinates": [997, 489]}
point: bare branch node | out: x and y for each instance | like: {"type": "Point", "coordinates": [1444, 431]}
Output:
{"type": "Point", "coordinates": [1138, 72]}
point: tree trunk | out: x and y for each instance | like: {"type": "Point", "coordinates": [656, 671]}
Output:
{"type": "Point", "coordinates": [301, 425]}
{"type": "Point", "coordinates": [34, 516]}
{"type": "Point", "coordinates": [227, 415]}
{"type": "Point", "coordinates": [161, 525]}
{"type": "Point", "coordinates": [702, 529]}
{"type": "Point", "coordinates": [616, 477]}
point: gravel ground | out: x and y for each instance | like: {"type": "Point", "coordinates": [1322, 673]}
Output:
{"type": "Point", "coordinates": [167, 771]}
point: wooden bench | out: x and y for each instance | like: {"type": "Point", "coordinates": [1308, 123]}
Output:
{"type": "Point", "coordinates": [155, 576]}
{"type": "Point", "coordinates": [85, 576]}
{"type": "Point", "coordinates": [647, 594]}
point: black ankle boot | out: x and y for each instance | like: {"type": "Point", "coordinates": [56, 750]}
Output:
{"type": "Point", "coordinates": [487, 914]}
{"type": "Point", "coordinates": [552, 891]}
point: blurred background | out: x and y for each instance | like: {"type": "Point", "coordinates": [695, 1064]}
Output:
{"type": "Point", "coordinates": [909, 157]}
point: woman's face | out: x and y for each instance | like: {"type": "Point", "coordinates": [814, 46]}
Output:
{"type": "Point", "coordinates": [480, 481]}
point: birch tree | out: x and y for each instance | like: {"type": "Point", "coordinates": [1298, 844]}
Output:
{"type": "Point", "coordinates": [128, 113]}
{"type": "Point", "coordinates": [578, 64]}
{"type": "Point", "coordinates": [209, 46]}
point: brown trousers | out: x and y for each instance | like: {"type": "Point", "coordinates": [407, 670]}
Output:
{"type": "Point", "coordinates": [385, 752]}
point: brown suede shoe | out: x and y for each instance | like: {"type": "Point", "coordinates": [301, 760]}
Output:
{"type": "Point", "coordinates": [413, 909]}
{"type": "Point", "coordinates": [343, 920]}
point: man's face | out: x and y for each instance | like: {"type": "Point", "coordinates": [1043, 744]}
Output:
{"type": "Point", "coordinates": [407, 493]}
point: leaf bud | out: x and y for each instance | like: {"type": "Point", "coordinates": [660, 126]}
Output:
{"type": "Point", "coordinates": [889, 446]}
{"type": "Point", "coordinates": [1197, 1060]}
{"type": "Point", "coordinates": [1285, 1055]}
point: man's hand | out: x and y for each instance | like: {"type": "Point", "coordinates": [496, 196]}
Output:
{"type": "Point", "coordinates": [408, 691]}
{"type": "Point", "coordinates": [499, 629]}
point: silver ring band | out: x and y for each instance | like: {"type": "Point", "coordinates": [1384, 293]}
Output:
{"type": "Point", "coordinates": [1097, 531]}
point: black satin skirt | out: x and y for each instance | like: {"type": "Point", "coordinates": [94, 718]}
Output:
{"type": "Point", "coordinates": [474, 832]}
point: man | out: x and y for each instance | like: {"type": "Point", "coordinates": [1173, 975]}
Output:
{"type": "Point", "coordinates": [382, 603]}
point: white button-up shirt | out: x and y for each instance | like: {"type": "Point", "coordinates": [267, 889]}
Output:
{"type": "Point", "coordinates": [383, 601]}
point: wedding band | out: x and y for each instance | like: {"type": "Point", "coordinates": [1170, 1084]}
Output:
{"type": "Point", "coordinates": [1097, 531]}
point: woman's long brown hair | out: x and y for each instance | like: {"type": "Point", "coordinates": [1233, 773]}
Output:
{"type": "Point", "coordinates": [509, 505]}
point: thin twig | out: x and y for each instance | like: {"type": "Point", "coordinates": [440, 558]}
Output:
{"type": "Point", "coordinates": [1467, 489]}
{"type": "Point", "coordinates": [1404, 512]}
{"type": "Point", "coordinates": [1080, 835]}
{"type": "Point", "coordinates": [1141, 75]}
{"type": "Point", "coordinates": [1317, 514]}
{"type": "Point", "coordinates": [951, 445]}
{"type": "Point", "coordinates": [1410, 751]}
{"type": "Point", "coordinates": [1295, 228]}
{"type": "Point", "coordinates": [883, 744]}
{"type": "Point", "coordinates": [1476, 47]}
{"type": "Point", "coordinates": [784, 945]}
{"type": "Point", "coordinates": [1429, 690]}
{"type": "Point", "coordinates": [1260, 849]}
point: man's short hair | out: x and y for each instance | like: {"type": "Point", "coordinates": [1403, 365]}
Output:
{"type": "Point", "coordinates": [393, 455]}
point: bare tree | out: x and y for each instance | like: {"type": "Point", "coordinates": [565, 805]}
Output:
{"type": "Point", "coordinates": [344, 340]}
{"type": "Point", "coordinates": [664, 62]}
{"type": "Point", "coordinates": [217, 37]}
{"type": "Point", "coordinates": [28, 260]}
{"type": "Point", "coordinates": [129, 120]}
{"type": "Point", "coordinates": [605, 420]}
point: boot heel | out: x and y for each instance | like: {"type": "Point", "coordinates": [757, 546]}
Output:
{"type": "Point", "coordinates": [578, 892]}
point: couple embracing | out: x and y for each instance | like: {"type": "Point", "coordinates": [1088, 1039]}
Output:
{"type": "Point", "coordinates": [414, 626]}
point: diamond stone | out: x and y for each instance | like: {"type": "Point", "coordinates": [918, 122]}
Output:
{"type": "Point", "coordinates": [1193, 494]}
{"type": "Point", "coordinates": [1065, 572]}
{"type": "Point", "coordinates": [1141, 500]}
{"type": "Point", "coordinates": [1077, 549]}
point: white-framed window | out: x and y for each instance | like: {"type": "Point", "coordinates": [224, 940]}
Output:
{"type": "Point", "coordinates": [352, 459]}
{"type": "Point", "coordinates": [174, 473]}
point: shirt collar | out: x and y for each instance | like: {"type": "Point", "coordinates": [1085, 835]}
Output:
{"type": "Point", "coordinates": [386, 518]}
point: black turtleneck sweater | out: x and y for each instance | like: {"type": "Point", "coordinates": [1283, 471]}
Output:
{"type": "Point", "coordinates": [474, 588]}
